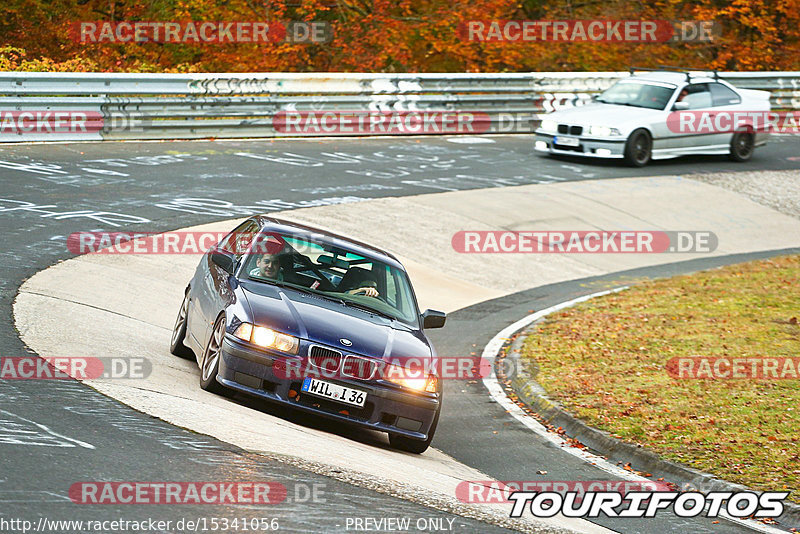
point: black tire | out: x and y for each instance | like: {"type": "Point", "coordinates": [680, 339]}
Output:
{"type": "Point", "coordinates": [743, 144]}
{"type": "Point", "coordinates": [209, 363]}
{"type": "Point", "coordinates": [638, 148]}
{"type": "Point", "coordinates": [176, 345]}
{"type": "Point", "coordinates": [416, 446]}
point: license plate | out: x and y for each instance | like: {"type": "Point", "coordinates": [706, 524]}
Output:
{"type": "Point", "coordinates": [329, 390]}
{"type": "Point", "coordinates": [566, 141]}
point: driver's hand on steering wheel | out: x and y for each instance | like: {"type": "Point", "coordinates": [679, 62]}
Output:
{"type": "Point", "coordinates": [367, 291]}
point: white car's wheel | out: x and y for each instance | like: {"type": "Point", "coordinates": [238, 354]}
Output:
{"type": "Point", "coordinates": [743, 145]}
{"type": "Point", "coordinates": [639, 148]}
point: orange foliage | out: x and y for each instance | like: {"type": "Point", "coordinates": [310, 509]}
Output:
{"type": "Point", "coordinates": [397, 36]}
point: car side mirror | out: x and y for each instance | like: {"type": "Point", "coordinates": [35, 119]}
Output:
{"type": "Point", "coordinates": [433, 319]}
{"type": "Point", "coordinates": [223, 260]}
{"type": "Point", "coordinates": [680, 106]}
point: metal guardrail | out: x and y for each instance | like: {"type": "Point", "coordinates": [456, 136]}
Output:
{"type": "Point", "coordinates": [187, 106]}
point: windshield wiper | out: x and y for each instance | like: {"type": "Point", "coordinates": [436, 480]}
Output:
{"type": "Point", "coordinates": [301, 289]}
{"type": "Point", "coordinates": [366, 308]}
{"type": "Point", "coordinates": [309, 291]}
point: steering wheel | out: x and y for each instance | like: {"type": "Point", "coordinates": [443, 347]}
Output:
{"type": "Point", "coordinates": [328, 286]}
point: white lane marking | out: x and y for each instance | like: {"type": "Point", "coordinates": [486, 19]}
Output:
{"type": "Point", "coordinates": [26, 436]}
{"type": "Point", "coordinates": [497, 393]}
{"type": "Point", "coordinates": [25, 496]}
{"type": "Point", "coordinates": [469, 140]}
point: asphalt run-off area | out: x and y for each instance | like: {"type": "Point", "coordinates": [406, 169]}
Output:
{"type": "Point", "coordinates": [408, 195]}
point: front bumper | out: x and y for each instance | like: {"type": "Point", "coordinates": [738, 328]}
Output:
{"type": "Point", "coordinates": [596, 148]}
{"type": "Point", "coordinates": [249, 370]}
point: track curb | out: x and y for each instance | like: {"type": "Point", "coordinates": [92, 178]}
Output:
{"type": "Point", "coordinates": [533, 396]}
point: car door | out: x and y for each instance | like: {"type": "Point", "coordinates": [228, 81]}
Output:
{"type": "Point", "coordinates": [215, 292]}
{"type": "Point", "coordinates": [725, 100]}
{"type": "Point", "coordinates": [700, 103]}
{"type": "Point", "coordinates": [665, 140]}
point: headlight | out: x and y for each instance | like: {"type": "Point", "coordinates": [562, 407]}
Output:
{"type": "Point", "coordinates": [267, 338]}
{"type": "Point", "coordinates": [548, 125]}
{"type": "Point", "coordinates": [603, 131]}
{"type": "Point", "coordinates": [411, 378]}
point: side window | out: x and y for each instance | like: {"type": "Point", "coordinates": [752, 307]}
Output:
{"type": "Point", "coordinates": [723, 96]}
{"type": "Point", "coordinates": [239, 240]}
{"type": "Point", "coordinates": [391, 288]}
{"type": "Point", "coordinates": [699, 96]}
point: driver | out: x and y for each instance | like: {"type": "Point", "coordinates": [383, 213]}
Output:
{"type": "Point", "coordinates": [368, 288]}
{"type": "Point", "coordinates": [359, 281]}
{"type": "Point", "coordinates": [268, 266]}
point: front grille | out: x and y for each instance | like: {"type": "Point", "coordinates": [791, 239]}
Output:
{"type": "Point", "coordinates": [572, 130]}
{"type": "Point", "coordinates": [569, 148]}
{"type": "Point", "coordinates": [326, 359]}
{"type": "Point", "coordinates": [357, 367]}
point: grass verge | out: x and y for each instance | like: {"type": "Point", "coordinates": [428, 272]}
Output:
{"type": "Point", "coordinates": [605, 360]}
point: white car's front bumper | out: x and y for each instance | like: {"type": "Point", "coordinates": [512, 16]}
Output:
{"type": "Point", "coordinates": [595, 148]}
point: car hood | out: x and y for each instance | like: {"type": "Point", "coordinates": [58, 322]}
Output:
{"type": "Point", "coordinates": [599, 114]}
{"type": "Point", "coordinates": [319, 320]}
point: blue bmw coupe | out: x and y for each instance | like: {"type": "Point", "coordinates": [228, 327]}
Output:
{"type": "Point", "coordinates": [316, 321]}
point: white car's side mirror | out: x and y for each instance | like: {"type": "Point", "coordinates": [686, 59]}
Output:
{"type": "Point", "coordinates": [681, 106]}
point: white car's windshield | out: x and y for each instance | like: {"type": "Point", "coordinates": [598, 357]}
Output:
{"type": "Point", "coordinates": [637, 94]}
{"type": "Point", "coordinates": [333, 272]}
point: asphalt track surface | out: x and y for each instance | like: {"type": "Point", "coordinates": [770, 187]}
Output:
{"type": "Point", "coordinates": [49, 191]}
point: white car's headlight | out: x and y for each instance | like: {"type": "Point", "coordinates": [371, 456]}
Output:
{"type": "Point", "coordinates": [548, 125]}
{"type": "Point", "coordinates": [267, 338]}
{"type": "Point", "coordinates": [603, 131]}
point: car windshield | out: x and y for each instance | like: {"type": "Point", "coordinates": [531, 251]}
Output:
{"type": "Point", "coordinates": [637, 94]}
{"type": "Point", "coordinates": [315, 266]}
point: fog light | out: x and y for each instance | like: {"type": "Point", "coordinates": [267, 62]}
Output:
{"type": "Point", "coordinates": [604, 152]}
{"type": "Point", "coordinates": [540, 145]}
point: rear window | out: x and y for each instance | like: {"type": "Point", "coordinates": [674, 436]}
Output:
{"type": "Point", "coordinates": [723, 96]}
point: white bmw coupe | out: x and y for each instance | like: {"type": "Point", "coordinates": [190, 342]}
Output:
{"type": "Point", "coordinates": [660, 115]}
